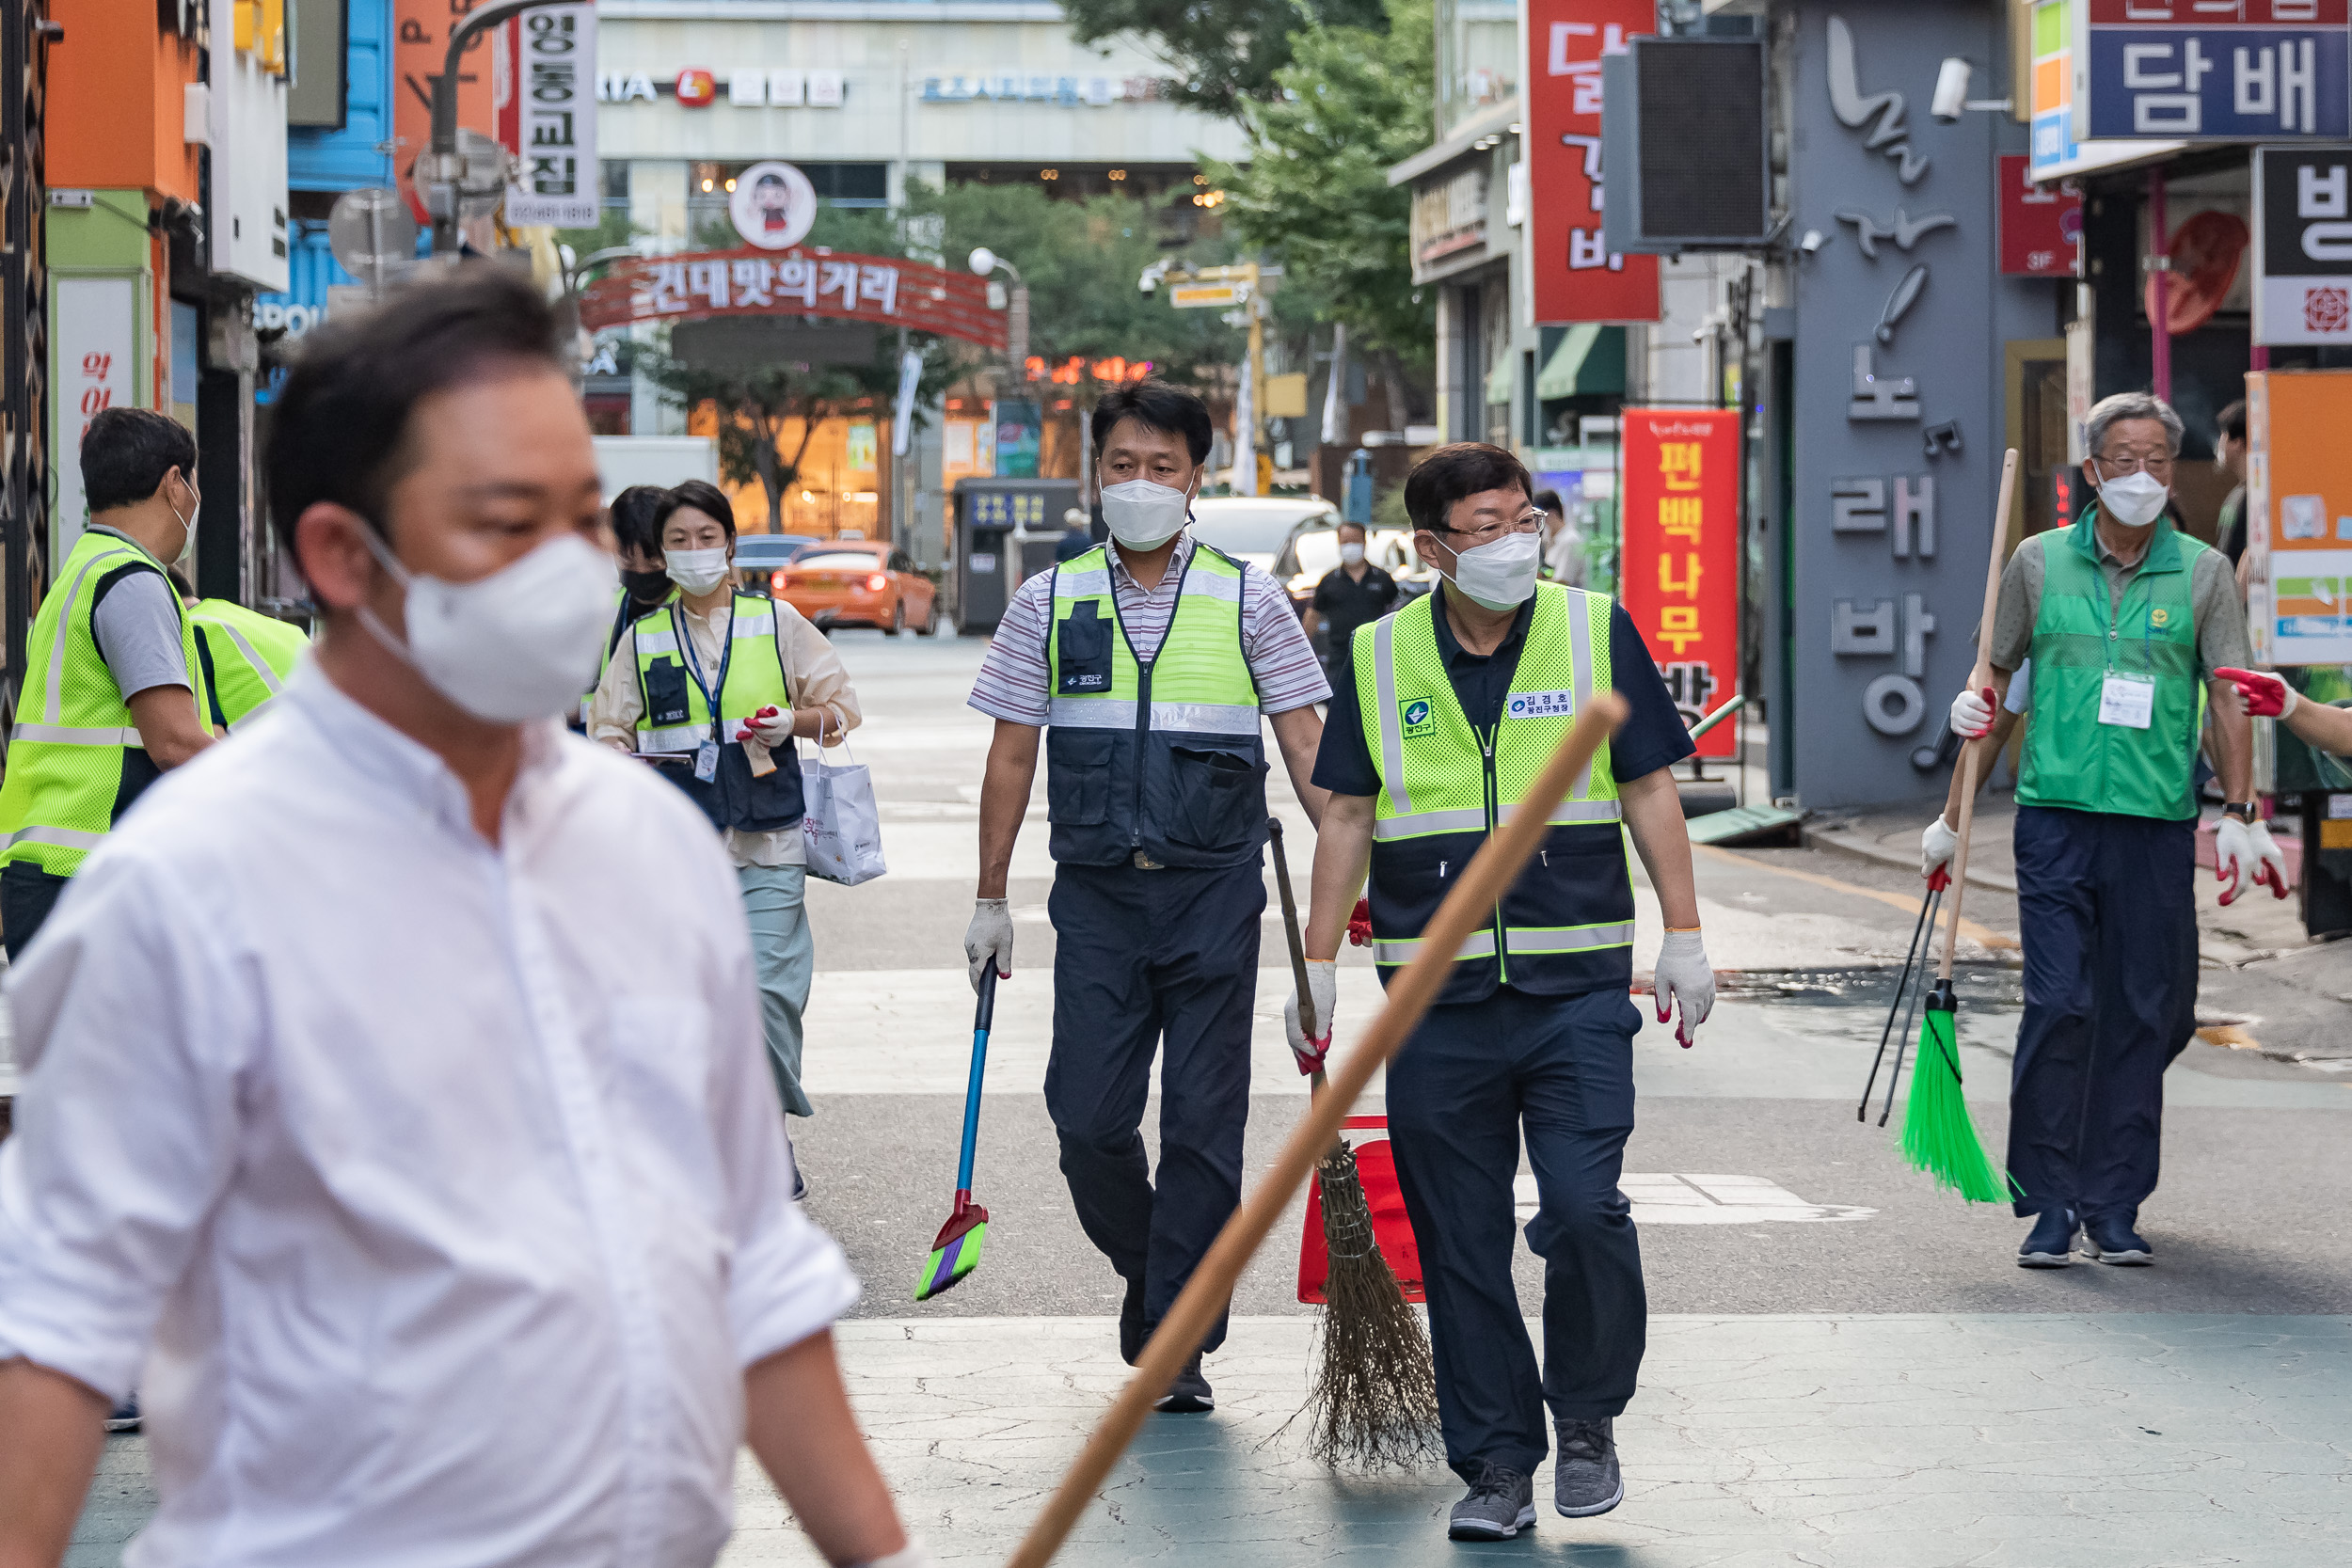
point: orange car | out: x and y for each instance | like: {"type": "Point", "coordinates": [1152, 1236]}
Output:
{"type": "Point", "coordinates": [850, 583]}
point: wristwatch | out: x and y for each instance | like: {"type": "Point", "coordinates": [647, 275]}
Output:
{"type": "Point", "coordinates": [2245, 810]}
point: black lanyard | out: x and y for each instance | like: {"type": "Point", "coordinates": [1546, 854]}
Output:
{"type": "Point", "coordinates": [694, 661]}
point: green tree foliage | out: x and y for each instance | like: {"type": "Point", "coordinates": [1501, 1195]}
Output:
{"type": "Point", "coordinates": [1227, 52]}
{"type": "Point", "coordinates": [1314, 194]}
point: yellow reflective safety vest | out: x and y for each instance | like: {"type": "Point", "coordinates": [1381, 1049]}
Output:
{"type": "Point", "coordinates": [76, 761]}
{"type": "Point", "coordinates": [246, 657]}
{"type": "Point", "coordinates": [624, 615]}
{"type": "Point", "coordinates": [1160, 757]}
{"type": "Point", "coordinates": [1566, 926]}
{"type": "Point", "coordinates": [676, 720]}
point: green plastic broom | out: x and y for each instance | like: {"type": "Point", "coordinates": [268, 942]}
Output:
{"type": "Point", "coordinates": [1938, 1135]}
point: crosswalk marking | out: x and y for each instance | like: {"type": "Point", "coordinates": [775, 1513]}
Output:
{"type": "Point", "coordinates": [1663, 1198]}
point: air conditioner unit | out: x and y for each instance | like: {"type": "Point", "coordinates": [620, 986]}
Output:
{"type": "Point", "coordinates": [1685, 146]}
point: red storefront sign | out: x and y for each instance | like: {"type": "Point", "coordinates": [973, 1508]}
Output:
{"type": "Point", "coordinates": [1576, 278]}
{"type": "Point", "coordinates": [1678, 572]}
{"type": "Point", "coordinates": [2041, 226]}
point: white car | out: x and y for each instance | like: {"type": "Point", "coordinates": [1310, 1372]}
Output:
{"type": "Point", "coordinates": [1255, 527]}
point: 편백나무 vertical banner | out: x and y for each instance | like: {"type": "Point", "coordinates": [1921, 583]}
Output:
{"type": "Point", "coordinates": [1678, 563]}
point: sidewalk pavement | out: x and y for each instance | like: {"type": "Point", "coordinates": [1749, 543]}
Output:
{"type": "Point", "coordinates": [2265, 985]}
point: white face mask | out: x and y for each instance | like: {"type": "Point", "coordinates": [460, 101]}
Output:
{"type": "Point", "coordinates": [1143, 516]}
{"type": "Point", "coordinates": [2132, 500]}
{"type": "Point", "coordinates": [1499, 575]}
{"type": "Point", "coordinates": [1351, 553]}
{"type": "Point", "coordinates": [697, 571]}
{"type": "Point", "coordinates": [516, 646]}
{"type": "Point", "coordinates": [187, 525]}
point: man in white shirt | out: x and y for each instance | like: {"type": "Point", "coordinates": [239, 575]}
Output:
{"type": "Point", "coordinates": [395, 1072]}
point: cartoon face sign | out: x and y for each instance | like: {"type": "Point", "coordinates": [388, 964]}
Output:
{"type": "Point", "coordinates": [774, 206]}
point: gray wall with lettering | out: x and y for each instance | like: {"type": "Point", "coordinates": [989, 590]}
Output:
{"type": "Point", "coordinates": [1900, 321]}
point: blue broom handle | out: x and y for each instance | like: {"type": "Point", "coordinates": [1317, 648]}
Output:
{"type": "Point", "coordinates": [980, 1023]}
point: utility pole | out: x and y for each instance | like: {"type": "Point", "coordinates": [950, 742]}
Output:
{"type": "Point", "coordinates": [1246, 285]}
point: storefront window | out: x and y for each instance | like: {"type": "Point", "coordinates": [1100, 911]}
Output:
{"type": "Point", "coordinates": [1478, 48]}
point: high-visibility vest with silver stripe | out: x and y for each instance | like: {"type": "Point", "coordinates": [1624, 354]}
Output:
{"type": "Point", "coordinates": [247, 658]}
{"type": "Point", "coordinates": [676, 720]}
{"type": "Point", "coordinates": [1566, 925]}
{"type": "Point", "coordinates": [1161, 758]}
{"type": "Point", "coordinates": [76, 760]}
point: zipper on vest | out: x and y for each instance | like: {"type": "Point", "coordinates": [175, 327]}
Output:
{"type": "Point", "coordinates": [1143, 734]}
{"type": "Point", "coordinates": [1491, 801]}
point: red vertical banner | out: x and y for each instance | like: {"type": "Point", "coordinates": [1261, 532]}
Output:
{"type": "Point", "coordinates": [1678, 566]}
{"type": "Point", "coordinates": [1575, 278]}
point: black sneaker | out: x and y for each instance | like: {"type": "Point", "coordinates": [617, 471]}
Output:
{"type": "Point", "coordinates": [1500, 1504]}
{"type": "Point", "coordinates": [2051, 1243]}
{"type": "Point", "coordinates": [1585, 1480]}
{"type": "Point", "coordinates": [1189, 1394]}
{"type": "Point", "coordinates": [1133, 1331]}
{"type": "Point", "coordinates": [2110, 1239]}
{"type": "Point", "coordinates": [125, 1416]}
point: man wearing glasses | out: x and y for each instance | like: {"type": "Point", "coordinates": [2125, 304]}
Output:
{"type": "Point", "coordinates": [1454, 705]}
{"type": "Point", "coordinates": [2124, 617]}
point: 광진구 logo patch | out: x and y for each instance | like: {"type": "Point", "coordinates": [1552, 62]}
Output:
{"type": "Point", "coordinates": [1419, 714]}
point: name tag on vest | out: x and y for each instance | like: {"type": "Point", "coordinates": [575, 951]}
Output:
{"type": "Point", "coordinates": [2127, 700]}
{"type": "Point", "coordinates": [1540, 704]}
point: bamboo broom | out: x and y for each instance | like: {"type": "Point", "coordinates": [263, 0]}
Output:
{"type": "Point", "coordinates": [1490, 872]}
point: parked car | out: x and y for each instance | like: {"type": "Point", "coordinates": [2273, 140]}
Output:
{"type": "Point", "coordinates": [1255, 527]}
{"type": "Point", "coordinates": [757, 554]}
{"type": "Point", "coordinates": [852, 583]}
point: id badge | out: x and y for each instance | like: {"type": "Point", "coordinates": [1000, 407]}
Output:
{"type": "Point", "coordinates": [706, 754]}
{"type": "Point", "coordinates": [2127, 700]}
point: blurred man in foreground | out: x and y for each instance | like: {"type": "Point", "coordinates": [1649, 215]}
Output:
{"type": "Point", "coordinates": [396, 1074]}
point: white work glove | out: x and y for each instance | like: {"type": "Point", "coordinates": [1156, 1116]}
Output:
{"type": "Point", "coordinates": [1936, 844]}
{"type": "Point", "coordinates": [988, 939]}
{"type": "Point", "coordinates": [1972, 714]}
{"type": "Point", "coordinates": [913, 1555]}
{"type": "Point", "coordinates": [1682, 974]}
{"type": "Point", "coordinates": [1323, 990]}
{"type": "Point", "coordinates": [2243, 853]}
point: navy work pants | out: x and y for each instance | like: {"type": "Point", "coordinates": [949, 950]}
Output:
{"type": "Point", "coordinates": [2105, 905]}
{"type": "Point", "coordinates": [1468, 1080]}
{"type": "Point", "coordinates": [1141, 956]}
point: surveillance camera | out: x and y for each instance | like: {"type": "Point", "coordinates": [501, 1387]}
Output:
{"type": "Point", "coordinates": [983, 260]}
{"type": "Point", "coordinates": [1814, 240]}
{"type": "Point", "coordinates": [1951, 89]}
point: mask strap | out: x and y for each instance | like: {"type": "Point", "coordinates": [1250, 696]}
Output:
{"type": "Point", "coordinates": [399, 574]}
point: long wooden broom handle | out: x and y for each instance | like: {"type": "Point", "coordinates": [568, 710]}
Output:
{"type": "Point", "coordinates": [1290, 931]}
{"type": "Point", "coordinates": [1471, 903]}
{"type": "Point", "coordinates": [1979, 676]}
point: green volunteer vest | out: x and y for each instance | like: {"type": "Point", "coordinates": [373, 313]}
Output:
{"type": "Point", "coordinates": [75, 762]}
{"type": "Point", "coordinates": [2071, 759]}
{"type": "Point", "coordinates": [1566, 925]}
{"type": "Point", "coordinates": [1162, 758]}
{"type": "Point", "coordinates": [675, 718]}
{"type": "Point", "coordinates": [246, 657]}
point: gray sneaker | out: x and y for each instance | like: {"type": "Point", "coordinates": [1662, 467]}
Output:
{"type": "Point", "coordinates": [1585, 1480]}
{"type": "Point", "coordinates": [1500, 1504]}
{"type": "Point", "coordinates": [1189, 1394]}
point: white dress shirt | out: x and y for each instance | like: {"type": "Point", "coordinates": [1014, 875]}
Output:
{"type": "Point", "coordinates": [432, 1194]}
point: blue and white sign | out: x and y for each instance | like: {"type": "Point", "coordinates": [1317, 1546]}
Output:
{"type": "Point", "coordinates": [2212, 69]}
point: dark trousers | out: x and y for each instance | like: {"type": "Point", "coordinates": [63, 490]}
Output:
{"type": "Point", "coordinates": [1459, 1093]}
{"type": "Point", "coordinates": [2106, 909]}
{"type": "Point", "coordinates": [27, 893]}
{"type": "Point", "coordinates": [1142, 955]}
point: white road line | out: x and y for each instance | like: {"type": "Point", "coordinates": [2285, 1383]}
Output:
{"type": "Point", "coordinates": [1660, 1198]}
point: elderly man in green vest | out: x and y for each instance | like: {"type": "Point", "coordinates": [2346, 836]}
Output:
{"type": "Point", "coordinates": [114, 687]}
{"type": "Point", "coordinates": [1454, 705]}
{"type": "Point", "coordinates": [2130, 626]}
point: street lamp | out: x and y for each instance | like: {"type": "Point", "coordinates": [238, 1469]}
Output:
{"type": "Point", "coordinates": [442, 167]}
{"type": "Point", "coordinates": [985, 261]}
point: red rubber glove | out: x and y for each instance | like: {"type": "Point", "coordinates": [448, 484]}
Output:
{"type": "Point", "coordinates": [769, 726]}
{"type": "Point", "coordinates": [2266, 696]}
{"type": "Point", "coordinates": [1359, 924]}
{"type": "Point", "coordinates": [1942, 880]}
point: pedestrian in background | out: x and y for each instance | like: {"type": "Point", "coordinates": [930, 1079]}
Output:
{"type": "Point", "coordinates": [1076, 537]}
{"type": "Point", "coordinates": [245, 656]}
{"type": "Point", "coordinates": [1148, 663]}
{"type": "Point", "coordinates": [395, 1071]}
{"type": "Point", "coordinates": [1533, 1032]}
{"type": "Point", "coordinates": [636, 515]}
{"type": "Point", "coordinates": [113, 690]}
{"type": "Point", "coordinates": [718, 683]}
{"type": "Point", "coordinates": [1564, 545]}
{"type": "Point", "coordinates": [2124, 617]}
{"type": "Point", "coordinates": [2229, 455]}
{"type": "Point", "coordinates": [1354, 593]}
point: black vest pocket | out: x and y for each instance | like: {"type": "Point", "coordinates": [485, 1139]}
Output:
{"type": "Point", "coordinates": [665, 694]}
{"type": "Point", "coordinates": [760, 805]}
{"type": "Point", "coordinates": [1216, 794]}
{"type": "Point", "coordinates": [1078, 775]}
{"type": "Point", "coordinates": [1082, 654]}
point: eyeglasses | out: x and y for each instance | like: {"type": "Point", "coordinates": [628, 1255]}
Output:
{"type": "Point", "coordinates": [1526, 522]}
{"type": "Point", "coordinates": [2122, 463]}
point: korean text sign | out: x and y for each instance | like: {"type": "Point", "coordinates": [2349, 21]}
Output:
{"type": "Point", "coordinates": [2216, 70]}
{"type": "Point", "coordinates": [1575, 278]}
{"type": "Point", "coordinates": [2299, 517]}
{"type": "Point", "coordinates": [544, 94]}
{"type": "Point", "coordinates": [1679, 570]}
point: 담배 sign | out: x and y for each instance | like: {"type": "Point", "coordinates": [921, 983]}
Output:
{"type": "Point", "coordinates": [1678, 568]}
{"type": "Point", "coordinates": [2210, 70]}
{"type": "Point", "coordinates": [2298, 497]}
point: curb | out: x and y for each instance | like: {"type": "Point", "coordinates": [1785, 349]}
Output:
{"type": "Point", "coordinates": [1860, 848]}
